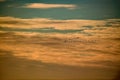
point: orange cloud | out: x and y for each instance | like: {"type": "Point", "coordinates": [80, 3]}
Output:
{"type": "Point", "coordinates": [89, 27]}
{"type": "Point", "coordinates": [46, 22]}
{"type": "Point", "coordinates": [52, 49]}
{"type": "Point", "coordinates": [46, 6]}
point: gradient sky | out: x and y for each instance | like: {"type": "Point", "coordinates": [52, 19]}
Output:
{"type": "Point", "coordinates": [85, 9]}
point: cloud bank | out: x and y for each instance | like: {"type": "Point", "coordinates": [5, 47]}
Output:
{"type": "Point", "coordinates": [87, 43]}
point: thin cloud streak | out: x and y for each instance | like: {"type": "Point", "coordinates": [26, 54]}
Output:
{"type": "Point", "coordinates": [47, 6]}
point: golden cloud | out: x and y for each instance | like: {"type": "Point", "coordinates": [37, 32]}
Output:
{"type": "Point", "coordinates": [53, 49]}
{"type": "Point", "coordinates": [47, 6]}
{"type": "Point", "coordinates": [47, 22]}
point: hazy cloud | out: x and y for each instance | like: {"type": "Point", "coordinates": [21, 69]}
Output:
{"type": "Point", "coordinates": [76, 53]}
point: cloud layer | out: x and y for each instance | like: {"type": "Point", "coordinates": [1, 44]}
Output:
{"type": "Point", "coordinates": [63, 50]}
{"type": "Point", "coordinates": [46, 22]}
{"type": "Point", "coordinates": [93, 28]}
{"type": "Point", "coordinates": [71, 43]}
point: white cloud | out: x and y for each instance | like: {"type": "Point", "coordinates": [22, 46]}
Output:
{"type": "Point", "coordinates": [47, 6]}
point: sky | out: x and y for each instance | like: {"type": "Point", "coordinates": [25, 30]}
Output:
{"type": "Point", "coordinates": [59, 39]}
{"type": "Point", "coordinates": [61, 9]}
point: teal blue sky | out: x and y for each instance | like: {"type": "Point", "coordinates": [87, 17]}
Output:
{"type": "Point", "coordinates": [86, 9]}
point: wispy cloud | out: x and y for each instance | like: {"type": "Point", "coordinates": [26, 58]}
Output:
{"type": "Point", "coordinates": [94, 28]}
{"type": "Point", "coordinates": [46, 22]}
{"type": "Point", "coordinates": [47, 6]}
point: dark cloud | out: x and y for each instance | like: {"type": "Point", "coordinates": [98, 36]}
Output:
{"type": "Point", "coordinates": [12, 22]}
{"type": "Point", "coordinates": [103, 52]}
{"type": "Point", "coordinates": [112, 23]}
{"type": "Point", "coordinates": [117, 39]}
{"type": "Point", "coordinates": [42, 30]}
{"type": "Point", "coordinates": [88, 27]}
{"type": "Point", "coordinates": [55, 22]}
{"type": "Point", "coordinates": [5, 52]}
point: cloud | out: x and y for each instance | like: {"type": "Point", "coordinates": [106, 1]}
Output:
{"type": "Point", "coordinates": [52, 49]}
{"type": "Point", "coordinates": [13, 22]}
{"type": "Point", "coordinates": [47, 6]}
{"type": "Point", "coordinates": [94, 28]}
{"type": "Point", "coordinates": [42, 30]}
